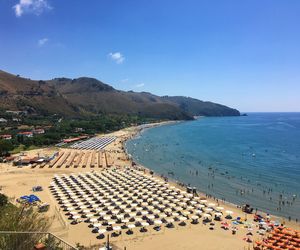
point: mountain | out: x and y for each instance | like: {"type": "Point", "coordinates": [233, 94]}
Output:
{"type": "Point", "coordinates": [87, 96]}
{"type": "Point", "coordinates": [196, 107]}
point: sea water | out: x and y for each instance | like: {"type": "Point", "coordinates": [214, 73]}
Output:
{"type": "Point", "coordinates": [252, 159]}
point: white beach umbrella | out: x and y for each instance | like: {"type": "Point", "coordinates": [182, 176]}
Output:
{"type": "Point", "coordinates": [175, 214]}
{"type": "Point", "coordinates": [218, 214]}
{"type": "Point", "coordinates": [186, 212]}
{"type": "Point", "coordinates": [97, 225]}
{"type": "Point", "coordinates": [182, 218]}
{"type": "Point", "coordinates": [107, 217]}
{"type": "Point", "coordinates": [157, 222]}
{"type": "Point", "coordinates": [170, 220]}
{"type": "Point", "coordinates": [93, 220]}
{"type": "Point", "coordinates": [102, 231]}
{"type": "Point", "coordinates": [145, 224]}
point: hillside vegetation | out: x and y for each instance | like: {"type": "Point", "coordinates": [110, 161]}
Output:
{"type": "Point", "coordinates": [88, 97]}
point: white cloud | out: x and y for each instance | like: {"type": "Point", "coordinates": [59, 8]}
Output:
{"type": "Point", "coordinates": [125, 80]}
{"type": "Point", "coordinates": [116, 57]}
{"type": "Point", "coordinates": [36, 7]}
{"type": "Point", "coordinates": [140, 85]}
{"type": "Point", "coordinates": [42, 41]}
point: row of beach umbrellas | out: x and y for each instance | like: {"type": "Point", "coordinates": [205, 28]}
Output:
{"type": "Point", "coordinates": [95, 143]}
{"type": "Point", "coordinates": [113, 200]}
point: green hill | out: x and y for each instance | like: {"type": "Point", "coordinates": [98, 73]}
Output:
{"type": "Point", "coordinates": [87, 96]}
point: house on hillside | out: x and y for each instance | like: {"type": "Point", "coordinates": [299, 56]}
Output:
{"type": "Point", "coordinates": [27, 134]}
{"type": "Point", "coordinates": [79, 130]}
{"type": "Point", "coordinates": [6, 137]}
{"type": "Point", "coordinates": [38, 131]}
{"type": "Point", "coordinates": [2, 120]}
{"type": "Point", "coordinates": [16, 119]}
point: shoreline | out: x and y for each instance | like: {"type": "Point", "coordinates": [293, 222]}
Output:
{"type": "Point", "coordinates": [183, 185]}
{"type": "Point", "coordinates": [19, 181]}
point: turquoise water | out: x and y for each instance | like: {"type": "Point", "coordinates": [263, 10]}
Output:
{"type": "Point", "coordinates": [251, 159]}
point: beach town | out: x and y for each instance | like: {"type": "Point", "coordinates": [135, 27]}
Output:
{"type": "Point", "coordinates": [92, 191]}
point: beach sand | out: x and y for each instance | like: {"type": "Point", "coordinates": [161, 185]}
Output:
{"type": "Point", "coordinates": [16, 182]}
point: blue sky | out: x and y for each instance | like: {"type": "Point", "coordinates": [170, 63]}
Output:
{"type": "Point", "coordinates": [244, 54]}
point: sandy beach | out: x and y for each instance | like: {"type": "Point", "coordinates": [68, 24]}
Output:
{"type": "Point", "coordinates": [16, 182]}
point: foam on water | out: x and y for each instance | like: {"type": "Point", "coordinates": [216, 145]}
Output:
{"type": "Point", "coordinates": [249, 159]}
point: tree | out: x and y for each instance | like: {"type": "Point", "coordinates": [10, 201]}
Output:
{"type": "Point", "coordinates": [5, 147]}
{"type": "Point", "coordinates": [21, 219]}
{"type": "Point", "coordinates": [3, 200]}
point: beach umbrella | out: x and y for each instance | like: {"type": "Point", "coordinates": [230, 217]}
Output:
{"type": "Point", "coordinates": [120, 216]}
{"type": "Point", "coordinates": [117, 228]}
{"type": "Point", "coordinates": [157, 222]}
{"type": "Point", "coordinates": [195, 217]}
{"type": "Point", "coordinates": [206, 215]}
{"type": "Point", "coordinates": [93, 220]}
{"type": "Point", "coordinates": [125, 220]}
{"type": "Point", "coordinates": [190, 208]}
{"type": "Point", "coordinates": [208, 210]}
{"type": "Point", "coordinates": [145, 224]}
{"type": "Point", "coordinates": [218, 214]}
{"type": "Point", "coordinates": [151, 217]}
{"type": "Point", "coordinates": [186, 212]}
{"type": "Point", "coordinates": [219, 208]}
{"type": "Point", "coordinates": [168, 210]}
{"type": "Point", "coordinates": [132, 214]}
{"type": "Point", "coordinates": [182, 218]}
{"type": "Point", "coordinates": [102, 231]}
{"type": "Point", "coordinates": [228, 212]}
{"type": "Point", "coordinates": [115, 212]}
{"type": "Point", "coordinates": [131, 226]}
{"type": "Point", "coordinates": [211, 205]}
{"type": "Point", "coordinates": [107, 217]}
{"type": "Point", "coordinates": [170, 220]}
{"type": "Point", "coordinates": [76, 217]}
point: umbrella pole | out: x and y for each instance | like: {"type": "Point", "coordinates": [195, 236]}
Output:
{"type": "Point", "coordinates": [107, 244]}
